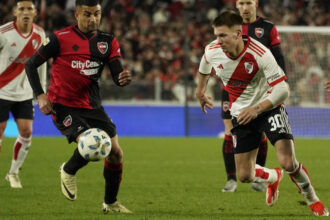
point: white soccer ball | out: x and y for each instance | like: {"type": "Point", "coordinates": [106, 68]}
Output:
{"type": "Point", "coordinates": [94, 144]}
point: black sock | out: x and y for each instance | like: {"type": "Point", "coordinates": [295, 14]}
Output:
{"type": "Point", "coordinates": [228, 156]}
{"type": "Point", "coordinates": [112, 175]}
{"type": "Point", "coordinates": [262, 152]}
{"type": "Point", "coordinates": [75, 163]}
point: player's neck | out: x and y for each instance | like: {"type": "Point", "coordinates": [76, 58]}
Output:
{"type": "Point", "coordinates": [249, 20]}
{"type": "Point", "coordinates": [24, 28]}
{"type": "Point", "coordinates": [238, 50]}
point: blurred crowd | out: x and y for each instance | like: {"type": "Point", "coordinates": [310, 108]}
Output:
{"type": "Point", "coordinates": [162, 41]}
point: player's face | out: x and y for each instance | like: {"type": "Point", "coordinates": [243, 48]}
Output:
{"type": "Point", "coordinates": [247, 9]}
{"type": "Point", "coordinates": [227, 38]}
{"type": "Point", "coordinates": [25, 12]}
{"type": "Point", "coordinates": [88, 18]}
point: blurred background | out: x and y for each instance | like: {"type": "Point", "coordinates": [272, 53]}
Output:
{"type": "Point", "coordinates": [162, 42]}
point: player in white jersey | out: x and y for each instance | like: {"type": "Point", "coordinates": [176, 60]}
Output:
{"type": "Point", "coordinates": [256, 88]}
{"type": "Point", "coordinates": [19, 40]}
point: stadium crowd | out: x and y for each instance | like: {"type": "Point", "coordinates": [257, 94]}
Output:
{"type": "Point", "coordinates": [155, 35]}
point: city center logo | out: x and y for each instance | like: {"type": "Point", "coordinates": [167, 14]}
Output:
{"type": "Point", "coordinates": [102, 47]}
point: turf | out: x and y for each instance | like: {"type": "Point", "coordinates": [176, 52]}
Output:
{"type": "Point", "coordinates": [173, 178]}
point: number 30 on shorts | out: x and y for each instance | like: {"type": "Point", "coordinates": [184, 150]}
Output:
{"type": "Point", "coordinates": [276, 122]}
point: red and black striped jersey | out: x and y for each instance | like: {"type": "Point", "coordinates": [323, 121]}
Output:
{"type": "Point", "coordinates": [266, 33]}
{"type": "Point", "coordinates": [77, 66]}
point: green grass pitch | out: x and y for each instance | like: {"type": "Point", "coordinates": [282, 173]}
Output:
{"type": "Point", "coordinates": [164, 178]}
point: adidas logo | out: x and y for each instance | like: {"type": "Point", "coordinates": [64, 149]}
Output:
{"type": "Point", "coordinates": [282, 131]}
{"type": "Point", "coordinates": [13, 44]}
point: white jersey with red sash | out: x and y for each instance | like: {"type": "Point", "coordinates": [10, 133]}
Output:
{"type": "Point", "coordinates": [248, 78]}
{"type": "Point", "coordinates": [15, 51]}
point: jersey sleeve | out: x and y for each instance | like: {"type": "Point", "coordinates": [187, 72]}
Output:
{"type": "Point", "coordinates": [2, 41]}
{"type": "Point", "coordinates": [115, 50]}
{"type": "Point", "coordinates": [274, 38]}
{"type": "Point", "coordinates": [273, 72]}
{"type": "Point", "coordinates": [204, 66]}
{"type": "Point", "coordinates": [50, 47]}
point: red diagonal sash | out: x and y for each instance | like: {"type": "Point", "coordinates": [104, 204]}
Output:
{"type": "Point", "coordinates": [18, 65]}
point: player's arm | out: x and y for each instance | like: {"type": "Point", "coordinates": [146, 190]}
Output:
{"type": "Point", "coordinates": [280, 91]}
{"type": "Point", "coordinates": [120, 76]}
{"type": "Point", "coordinates": [42, 70]}
{"type": "Point", "coordinates": [50, 48]}
{"type": "Point", "coordinates": [275, 48]}
{"type": "Point", "coordinates": [203, 76]}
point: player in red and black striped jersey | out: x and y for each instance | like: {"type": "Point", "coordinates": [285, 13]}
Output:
{"type": "Point", "coordinates": [79, 54]}
{"type": "Point", "coordinates": [266, 33]}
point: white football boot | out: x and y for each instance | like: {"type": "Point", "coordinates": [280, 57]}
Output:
{"type": "Point", "coordinates": [14, 181]}
{"type": "Point", "coordinates": [230, 186]}
{"type": "Point", "coordinates": [114, 207]}
{"type": "Point", "coordinates": [68, 184]}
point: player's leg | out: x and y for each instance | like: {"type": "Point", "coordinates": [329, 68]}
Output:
{"type": "Point", "coordinates": [246, 140]}
{"type": "Point", "coordinates": [227, 146]}
{"type": "Point", "coordinates": [5, 107]}
{"type": "Point", "coordinates": [299, 175]}
{"type": "Point", "coordinates": [261, 161]}
{"type": "Point", "coordinates": [113, 164]}
{"type": "Point", "coordinates": [112, 172]}
{"type": "Point", "coordinates": [23, 113]}
{"type": "Point", "coordinates": [3, 125]}
{"type": "Point", "coordinates": [71, 124]}
{"type": "Point", "coordinates": [20, 151]}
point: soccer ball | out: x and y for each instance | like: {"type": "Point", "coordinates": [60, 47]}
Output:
{"type": "Point", "coordinates": [94, 144]}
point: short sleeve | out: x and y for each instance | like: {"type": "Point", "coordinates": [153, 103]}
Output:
{"type": "Point", "coordinates": [273, 72]}
{"type": "Point", "coordinates": [115, 50]}
{"type": "Point", "coordinates": [204, 66]}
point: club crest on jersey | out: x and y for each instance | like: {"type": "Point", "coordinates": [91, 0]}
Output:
{"type": "Point", "coordinates": [103, 47]}
{"type": "Point", "coordinates": [225, 106]}
{"type": "Point", "coordinates": [35, 43]}
{"type": "Point", "coordinates": [259, 32]}
{"type": "Point", "coordinates": [67, 121]}
{"type": "Point", "coordinates": [248, 67]}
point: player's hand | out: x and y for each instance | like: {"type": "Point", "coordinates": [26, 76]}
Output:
{"type": "Point", "coordinates": [205, 102]}
{"type": "Point", "coordinates": [44, 105]}
{"type": "Point", "coordinates": [327, 85]}
{"type": "Point", "coordinates": [125, 78]}
{"type": "Point", "coordinates": [247, 115]}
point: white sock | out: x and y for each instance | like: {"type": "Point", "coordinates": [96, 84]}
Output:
{"type": "Point", "coordinates": [21, 149]}
{"type": "Point", "coordinates": [264, 175]}
{"type": "Point", "coordinates": [301, 178]}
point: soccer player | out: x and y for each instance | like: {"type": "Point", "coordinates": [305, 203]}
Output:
{"type": "Point", "coordinates": [266, 33]}
{"type": "Point", "coordinates": [257, 89]}
{"type": "Point", "coordinates": [19, 39]}
{"type": "Point", "coordinates": [79, 54]}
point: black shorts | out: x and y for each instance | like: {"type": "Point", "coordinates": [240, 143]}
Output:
{"type": "Point", "coordinates": [73, 121]}
{"type": "Point", "coordinates": [274, 123]}
{"type": "Point", "coordinates": [20, 110]}
{"type": "Point", "coordinates": [225, 112]}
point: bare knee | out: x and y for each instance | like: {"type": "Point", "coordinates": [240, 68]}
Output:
{"type": "Point", "coordinates": [245, 177]}
{"type": "Point", "coordinates": [116, 155]}
{"type": "Point", "coordinates": [288, 164]}
{"type": "Point", "coordinates": [26, 132]}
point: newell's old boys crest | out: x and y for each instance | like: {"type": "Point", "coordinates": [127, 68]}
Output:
{"type": "Point", "coordinates": [67, 121]}
{"type": "Point", "coordinates": [103, 47]}
{"type": "Point", "coordinates": [248, 67]}
{"type": "Point", "coordinates": [259, 32]}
